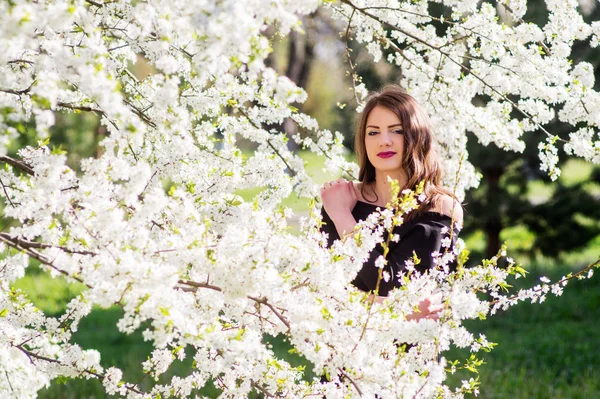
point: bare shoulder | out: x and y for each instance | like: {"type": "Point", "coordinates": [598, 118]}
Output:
{"type": "Point", "coordinates": [358, 190]}
{"type": "Point", "coordinates": [450, 207]}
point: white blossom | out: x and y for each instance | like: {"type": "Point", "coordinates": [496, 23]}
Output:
{"type": "Point", "coordinates": [155, 221]}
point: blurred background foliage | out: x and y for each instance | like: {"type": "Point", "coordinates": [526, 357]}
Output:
{"type": "Point", "coordinates": [552, 228]}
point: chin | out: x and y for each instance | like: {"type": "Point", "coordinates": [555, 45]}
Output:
{"type": "Point", "coordinates": [386, 167]}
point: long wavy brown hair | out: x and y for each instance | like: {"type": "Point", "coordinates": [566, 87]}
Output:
{"type": "Point", "coordinates": [420, 160]}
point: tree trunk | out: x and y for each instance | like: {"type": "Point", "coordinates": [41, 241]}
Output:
{"type": "Point", "coordinates": [299, 65]}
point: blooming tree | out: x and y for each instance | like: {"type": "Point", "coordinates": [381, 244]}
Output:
{"type": "Point", "coordinates": [154, 225]}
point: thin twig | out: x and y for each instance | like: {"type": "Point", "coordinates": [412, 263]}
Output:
{"type": "Point", "coordinates": [437, 70]}
{"type": "Point", "coordinates": [8, 379]}
{"type": "Point", "coordinates": [263, 390]}
{"type": "Point", "coordinates": [305, 283]}
{"type": "Point", "coordinates": [140, 113]}
{"type": "Point", "coordinates": [292, 171]}
{"type": "Point", "coordinates": [579, 273]}
{"type": "Point", "coordinates": [141, 195]}
{"type": "Point", "coordinates": [117, 47]}
{"type": "Point", "coordinates": [345, 375]}
{"type": "Point", "coordinates": [353, 74]}
{"type": "Point", "coordinates": [6, 193]}
{"type": "Point", "coordinates": [264, 301]}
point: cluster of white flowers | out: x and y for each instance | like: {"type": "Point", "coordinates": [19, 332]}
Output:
{"type": "Point", "coordinates": [154, 224]}
{"type": "Point", "coordinates": [487, 71]}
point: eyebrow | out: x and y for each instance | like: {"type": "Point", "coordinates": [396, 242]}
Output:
{"type": "Point", "coordinates": [377, 127]}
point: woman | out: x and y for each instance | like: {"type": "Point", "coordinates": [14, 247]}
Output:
{"type": "Point", "coordinates": [393, 140]}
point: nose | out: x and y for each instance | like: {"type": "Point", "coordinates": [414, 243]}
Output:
{"type": "Point", "coordinates": [386, 139]}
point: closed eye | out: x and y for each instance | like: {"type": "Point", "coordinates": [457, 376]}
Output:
{"type": "Point", "coordinates": [372, 132]}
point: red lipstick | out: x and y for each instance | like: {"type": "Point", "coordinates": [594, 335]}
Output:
{"type": "Point", "coordinates": [386, 154]}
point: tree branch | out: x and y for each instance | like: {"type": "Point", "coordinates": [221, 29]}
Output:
{"type": "Point", "coordinates": [200, 285]}
{"type": "Point", "coordinates": [32, 244]}
{"type": "Point", "coordinates": [19, 61]}
{"type": "Point", "coordinates": [80, 108]}
{"type": "Point", "coordinates": [37, 256]}
{"type": "Point", "coordinates": [18, 92]}
{"type": "Point", "coordinates": [95, 3]}
{"type": "Point", "coordinates": [140, 113]}
{"type": "Point", "coordinates": [100, 376]}
{"type": "Point", "coordinates": [263, 390]}
{"type": "Point", "coordinates": [262, 301]}
{"type": "Point", "coordinates": [17, 164]}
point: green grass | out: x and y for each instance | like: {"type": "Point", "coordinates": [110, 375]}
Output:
{"type": "Point", "coordinates": [547, 350]}
{"type": "Point", "coordinates": [49, 294]}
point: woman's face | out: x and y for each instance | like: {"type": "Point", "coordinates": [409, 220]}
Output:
{"type": "Point", "coordinates": [384, 142]}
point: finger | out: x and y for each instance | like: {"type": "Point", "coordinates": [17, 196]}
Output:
{"type": "Point", "coordinates": [424, 304]}
{"type": "Point", "coordinates": [436, 298]}
{"type": "Point", "coordinates": [353, 187]}
{"type": "Point", "coordinates": [436, 309]}
{"type": "Point", "coordinates": [350, 188]}
{"type": "Point", "coordinates": [432, 316]}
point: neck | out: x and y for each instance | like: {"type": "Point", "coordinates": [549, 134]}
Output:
{"type": "Point", "coordinates": [382, 186]}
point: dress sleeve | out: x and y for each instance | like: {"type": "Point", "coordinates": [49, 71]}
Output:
{"type": "Point", "coordinates": [422, 238]}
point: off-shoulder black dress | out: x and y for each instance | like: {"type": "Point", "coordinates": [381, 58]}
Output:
{"type": "Point", "coordinates": [423, 235]}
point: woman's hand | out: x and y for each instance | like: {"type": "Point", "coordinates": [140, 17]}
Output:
{"type": "Point", "coordinates": [339, 198]}
{"type": "Point", "coordinates": [429, 308]}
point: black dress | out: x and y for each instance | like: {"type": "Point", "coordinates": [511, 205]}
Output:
{"type": "Point", "coordinates": [423, 235]}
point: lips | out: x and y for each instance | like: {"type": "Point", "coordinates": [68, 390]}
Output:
{"type": "Point", "coordinates": [386, 154]}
